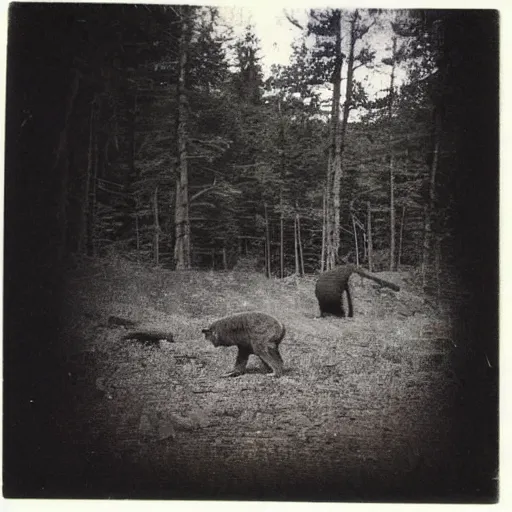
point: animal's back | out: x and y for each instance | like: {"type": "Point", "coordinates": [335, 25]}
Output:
{"type": "Point", "coordinates": [249, 327]}
{"type": "Point", "coordinates": [328, 286]}
{"type": "Point", "coordinates": [329, 289]}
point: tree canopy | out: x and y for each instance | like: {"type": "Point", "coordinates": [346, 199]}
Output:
{"type": "Point", "coordinates": [161, 127]}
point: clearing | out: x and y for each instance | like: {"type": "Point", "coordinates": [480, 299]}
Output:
{"type": "Point", "coordinates": [365, 409]}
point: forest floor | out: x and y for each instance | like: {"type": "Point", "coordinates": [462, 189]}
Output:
{"type": "Point", "coordinates": [363, 411]}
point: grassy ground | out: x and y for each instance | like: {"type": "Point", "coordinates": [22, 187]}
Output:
{"type": "Point", "coordinates": [364, 410]}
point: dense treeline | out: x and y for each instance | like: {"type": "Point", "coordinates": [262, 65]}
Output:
{"type": "Point", "coordinates": [151, 133]}
{"type": "Point", "coordinates": [169, 146]}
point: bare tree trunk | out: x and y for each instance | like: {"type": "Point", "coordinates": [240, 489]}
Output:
{"type": "Point", "coordinates": [282, 235]}
{"type": "Point", "coordinates": [282, 146]}
{"type": "Point", "coordinates": [426, 245]}
{"type": "Point", "coordinates": [334, 162]}
{"type": "Point", "coordinates": [340, 142]}
{"type": "Point", "coordinates": [382, 282]}
{"type": "Point", "coordinates": [392, 220]}
{"type": "Point", "coordinates": [340, 135]}
{"type": "Point", "coordinates": [224, 258]}
{"type": "Point", "coordinates": [267, 238]}
{"type": "Point", "coordinates": [266, 257]}
{"type": "Point", "coordinates": [156, 228]}
{"type": "Point", "coordinates": [429, 207]}
{"type": "Point", "coordinates": [392, 164]}
{"type": "Point", "coordinates": [370, 240]}
{"type": "Point", "coordinates": [324, 232]}
{"type": "Point", "coordinates": [347, 106]}
{"type": "Point", "coordinates": [296, 244]}
{"type": "Point", "coordinates": [356, 243]}
{"type": "Point", "coordinates": [178, 221]}
{"type": "Point", "coordinates": [182, 242]}
{"type": "Point", "coordinates": [299, 242]}
{"type": "Point", "coordinates": [402, 222]}
{"type": "Point", "coordinates": [438, 268]}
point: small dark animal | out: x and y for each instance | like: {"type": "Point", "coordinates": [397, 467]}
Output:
{"type": "Point", "coordinates": [253, 333]}
{"type": "Point", "coordinates": [331, 285]}
{"type": "Point", "coordinates": [146, 336]}
{"type": "Point", "coordinates": [149, 337]}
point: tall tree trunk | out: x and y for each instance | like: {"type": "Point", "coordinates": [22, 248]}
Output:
{"type": "Point", "coordinates": [340, 134]}
{"type": "Point", "coordinates": [392, 220]}
{"type": "Point", "coordinates": [429, 207]}
{"type": "Point", "coordinates": [400, 246]}
{"type": "Point", "coordinates": [340, 142]}
{"type": "Point", "coordinates": [356, 243]}
{"type": "Point", "coordinates": [283, 172]}
{"type": "Point", "coordinates": [370, 239]}
{"type": "Point", "coordinates": [182, 221]}
{"type": "Point", "coordinates": [392, 163]}
{"type": "Point", "coordinates": [438, 267]}
{"type": "Point", "coordinates": [296, 245]}
{"type": "Point", "coordinates": [178, 222]}
{"type": "Point", "coordinates": [324, 232]}
{"type": "Point", "coordinates": [156, 228]}
{"type": "Point", "coordinates": [299, 242]}
{"type": "Point", "coordinates": [334, 161]}
{"type": "Point", "coordinates": [347, 105]}
{"type": "Point", "coordinates": [281, 243]}
{"type": "Point", "coordinates": [267, 238]}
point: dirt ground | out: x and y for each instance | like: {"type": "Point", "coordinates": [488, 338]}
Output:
{"type": "Point", "coordinates": [365, 410]}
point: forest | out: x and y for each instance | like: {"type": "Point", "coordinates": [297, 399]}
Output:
{"type": "Point", "coordinates": [155, 171]}
{"type": "Point", "coordinates": [174, 150]}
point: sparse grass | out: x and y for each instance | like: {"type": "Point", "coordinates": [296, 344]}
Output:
{"type": "Point", "coordinates": [368, 388]}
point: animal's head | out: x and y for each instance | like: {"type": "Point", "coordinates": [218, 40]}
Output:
{"type": "Point", "coordinates": [211, 336]}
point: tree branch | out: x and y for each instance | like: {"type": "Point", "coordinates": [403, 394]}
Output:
{"type": "Point", "coordinates": [201, 192]}
{"type": "Point", "coordinates": [293, 21]}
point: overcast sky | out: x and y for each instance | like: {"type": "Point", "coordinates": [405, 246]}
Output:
{"type": "Point", "coordinates": [275, 32]}
{"type": "Point", "coordinates": [276, 35]}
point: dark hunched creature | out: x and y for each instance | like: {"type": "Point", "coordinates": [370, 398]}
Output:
{"type": "Point", "coordinates": [331, 285]}
{"type": "Point", "coordinates": [253, 333]}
